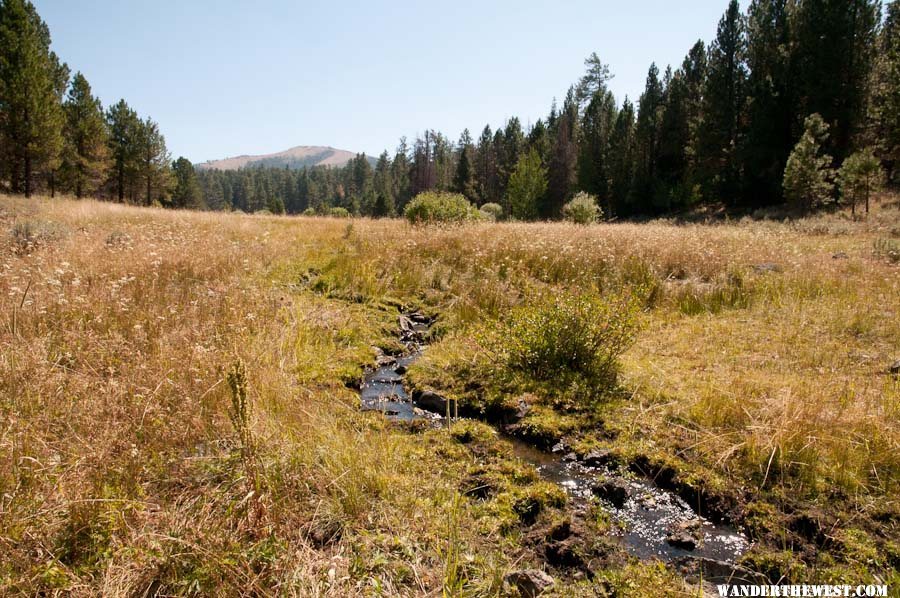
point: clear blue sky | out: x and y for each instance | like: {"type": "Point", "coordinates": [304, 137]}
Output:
{"type": "Point", "coordinates": [227, 78]}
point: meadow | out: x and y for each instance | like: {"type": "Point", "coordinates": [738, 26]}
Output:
{"type": "Point", "coordinates": [179, 413]}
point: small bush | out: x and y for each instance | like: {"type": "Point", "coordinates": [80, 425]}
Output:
{"type": "Point", "coordinates": [887, 249]}
{"type": "Point", "coordinates": [492, 211]}
{"type": "Point", "coordinates": [28, 235]}
{"type": "Point", "coordinates": [556, 337]}
{"type": "Point", "coordinates": [582, 209]}
{"type": "Point", "coordinates": [431, 207]}
{"type": "Point", "coordinates": [339, 213]}
{"type": "Point", "coordinates": [309, 212]}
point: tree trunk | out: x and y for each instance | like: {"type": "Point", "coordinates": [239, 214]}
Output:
{"type": "Point", "coordinates": [867, 195]}
{"type": "Point", "coordinates": [52, 185]}
{"type": "Point", "coordinates": [27, 176]}
{"type": "Point", "coordinates": [121, 183]}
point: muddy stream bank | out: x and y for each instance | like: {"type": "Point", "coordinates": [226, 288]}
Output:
{"type": "Point", "coordinates": [652, 522]}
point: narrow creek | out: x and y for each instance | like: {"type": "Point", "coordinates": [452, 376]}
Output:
{"type": "Point", "coordinates": [653, 522]}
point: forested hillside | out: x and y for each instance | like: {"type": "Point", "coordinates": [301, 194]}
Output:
{"type": "Point", "coordinates": [818, 80]}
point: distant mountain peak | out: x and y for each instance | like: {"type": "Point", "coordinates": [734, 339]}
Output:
{"type": "Point", "coordinates": [294, 158]}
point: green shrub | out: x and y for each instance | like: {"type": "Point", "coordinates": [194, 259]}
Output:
{"type": "Point", "coordinates": [492, 211]}
{"type": "Point", "coordinates": [309, 212]}
{"type": "Point", "coordinates": [432, 207]}
{"type": "Point", "coordinates": [339, 213]}
{"type": "Point", "coordinates": [582, 209]}
{"type": "Point", "coordinates": [887, 249]}
{"type": "Point", "coordinates": [554, 338]}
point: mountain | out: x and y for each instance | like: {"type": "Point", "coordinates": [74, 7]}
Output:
{"type": "Point", "coordinates": [296, 157]}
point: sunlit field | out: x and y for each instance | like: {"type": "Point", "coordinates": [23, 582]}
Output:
{"type": "Point", "coordinates": [758, 376]}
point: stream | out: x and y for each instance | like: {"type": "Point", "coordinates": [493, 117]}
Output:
{"type": "Point", "coordinates": [653, 523]}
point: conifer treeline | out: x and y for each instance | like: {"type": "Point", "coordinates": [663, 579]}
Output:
{"type": "Point", "coordinates": [718, 128]}
{"type": "Point", "coordinates": [56, 136]}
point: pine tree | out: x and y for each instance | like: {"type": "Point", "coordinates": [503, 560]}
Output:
{"type": "Point", "coordinates": [383, 185]}
{"type": "Point", "coordinates": [860, 176]}
{"type": "Point", "coordinates": [808, 174]}
{"type": "Point", "coordinates": [86, 153]}
{"type": "Point", "coordinates": [527, 185]}
{"type": "Point", "coordinates": [724, 105]}
{"type": "Point", "coordinates": [647, 132]}
{"type": "Point", "coordinates": [124, 127]}
{"type": "Point", "coordinates": [597, 122]}
{"type": "Point", "coordinates": [623, 157]}
{"type": "Point", "coordinates": [32, 82]}
{"type": "Point", "coordinates": [486, 168]}
{"type": "Point", "coordinates": [153, 165]}
{"type": "Point", "coordinates": [464, 179]}
{"type": "Point", "coordinates": [400, 168]}
{"type": "Point", "coordinates": [186, 192]}
{"type": "Point", "coordinates": [674, 140]}
{"type": "Point", "coordinates": [835, 42]}
{"type": "Point", "coordinates": [770, 109]}
{"type": "Point", "coordinates": [510, 150]}
{"type": "Point", "coordinates": [563, 158]}
{"type": "Point", "coordinates": [885, 102]}
{"type": "Point", "coordinates": [594, 79]}
{"type": "Point", "coordinates": [539, 139]}
{"type": "Point", "coordinates": [362, 196]}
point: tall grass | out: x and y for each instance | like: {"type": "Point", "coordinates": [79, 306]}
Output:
{"type": "Point", "coordinates": [123, 458]}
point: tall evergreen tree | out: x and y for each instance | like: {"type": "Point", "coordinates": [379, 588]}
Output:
{"type": "Point", "coordinates": [153, 165]}
{"type": "Point", "coordinates": [32, 82]}
{"type": "Point", "coordinates": [186, 192]}
{"type": "Point", "coordinates": [400, 167]}
{"type": "Point", "coordinates": [361, 190]}
{"type": "Point", "coordinates": [671, 187]}
{"type": "Point", "coordinates": [594, 79]}
{"type": "Point", "coordinates": [647, 131]}
{"type": "Point", "coordinates": [527, 185]}
{"type": "Point", "coordinates": [563, 158]}
{"type": "Point", "coordinates": [510, 150]}
{"type": "Point", "coordinates": [383, 186]}
{"type": "Point", "coordinates": [770, 107]}
{"type": "Point", "coordinates": [885, 103]}
{"type": "Point", "coordinates": [835, 42]}
{"type": "Point", "coordinates": [808, 176]}
{"type": "Point", "coordinates": [623, 159]}
{"type": "Point", "coordinates": [723, 107]}
{"type": "Point", "coordinates": [124, 128]}
{"type": "Point", "coordinates": [486, 168]}
{"type": "Point", "coordinates": [464, 179]}
{"type": "Point", "coordinates": [539, 139]}
{"type": "Point", "coordinates": [86, 152]}
{"type": "Point", "coordinates": [595, 148]}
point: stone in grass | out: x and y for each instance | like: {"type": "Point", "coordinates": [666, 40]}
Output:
{"type": "Point", "coordinates": [529, 582]}
{"type": "Point", "coordinates": [613, 490]}
{"type": "Point", "coordinates": [767, 267]}
{"type": "Point", "coordinates": [597, 458]}
{"type": "Point", "coordinates": [685, 534]}
{"type": "Point", "coordinates": [895, 368]}
{"type": "Point", "coordinates": [430, 401]}
{"type": "Point", "coordinates": [385, 361]}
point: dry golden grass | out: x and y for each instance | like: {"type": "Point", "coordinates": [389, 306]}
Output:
{"type": "Point", "coordinates": [120, 471]}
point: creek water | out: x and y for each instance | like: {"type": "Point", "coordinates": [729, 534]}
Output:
{"type": "Point", "coordinates": [646, 514]}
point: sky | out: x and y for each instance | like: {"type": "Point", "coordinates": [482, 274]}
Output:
{"type": "Point", "coordinates": [224, 78]}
